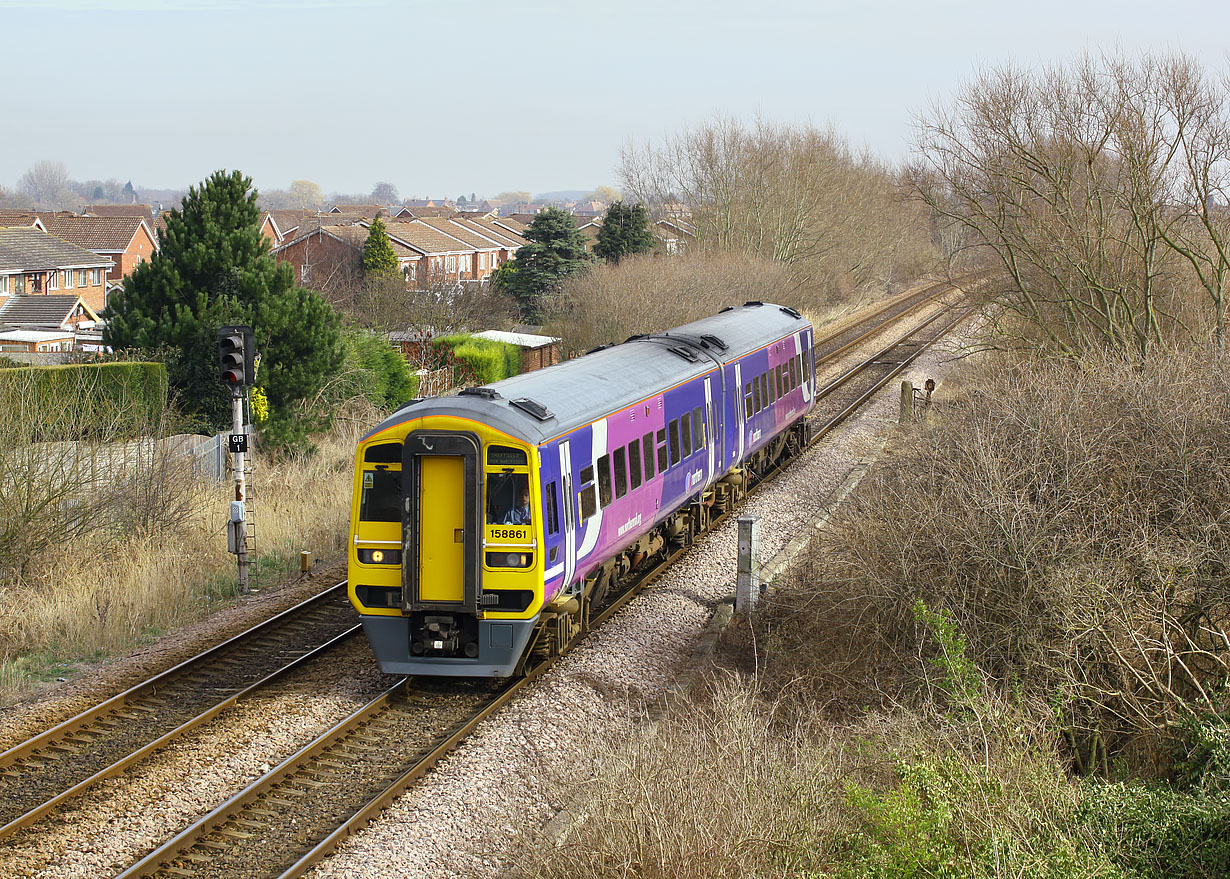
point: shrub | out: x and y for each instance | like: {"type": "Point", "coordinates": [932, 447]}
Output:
{"type": "Point", "coordinates": [478, 361]}
{"type": "Point", "coordinates": [373, 368]}
{"type": "Point", "coordinates": [1069, 520]}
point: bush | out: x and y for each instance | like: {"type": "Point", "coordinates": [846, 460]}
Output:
{"type": "Point", "coordinates": [478, 361]}
{"type": "Point", "coordinates": [377, 371]}
{"type": "Point", "coordinates": [1069, 520]}
{"type": "Point", "coordinates": [110, 400]}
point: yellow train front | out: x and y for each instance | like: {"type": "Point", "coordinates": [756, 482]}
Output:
{"type": "Point", "coordinates": [438, 486]}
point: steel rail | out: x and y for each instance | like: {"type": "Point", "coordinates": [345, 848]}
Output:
{"type": "Point", "coordinates": [230, 811]}
{"type": "Point", "coordinates": [103, 712]}
{"type": "Point", "coordinates": [927, 296]}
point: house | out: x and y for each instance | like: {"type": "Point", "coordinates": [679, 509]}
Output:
{"type": "Point", "coordinates": [127, 241]}
{"type": "Point", "coordinates": [269, 229]}
{"type": "Point", "coordinates": [22, 218]}
{"type": "Point", "coordinates": [487, 249]}
{"type": "Point", "coordinates": [366, 211]}
{"type": "Point", "coordinates": [32, 262]}
{"type": "Point", "coordinates": [45, 324]}
{"type": "Point", "coordinates": [288, 221]}
{"type": "Point", "coordinates": [536, 351]}
{"type": "Point", "coordinates": [674, 234]}
{"type": "Point", "coordinates": [421, 213]}
{"type": "Point", "coordinates": [588, 227]}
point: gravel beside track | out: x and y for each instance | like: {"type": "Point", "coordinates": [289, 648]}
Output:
{"type": "Point", "coordinates": [512, 776]}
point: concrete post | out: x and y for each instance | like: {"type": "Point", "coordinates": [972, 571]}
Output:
{"type": "Point", "coordinates": [907, 402]}
{"type": "Point", "coordinates": [747, 582]}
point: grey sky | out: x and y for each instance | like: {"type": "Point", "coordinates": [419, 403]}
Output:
{"type": "Point", "coordinates": [456, 96]}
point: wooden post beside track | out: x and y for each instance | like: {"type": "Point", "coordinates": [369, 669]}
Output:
{"type": "Point", "coordinates": [907, 402]}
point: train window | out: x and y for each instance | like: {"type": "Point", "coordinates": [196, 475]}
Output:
{"type": "Point", "coordinates": [756, 394]}
{"type": "Point", "coordinates": [604, 481]}
{"type": "Point", "coordinates": [383, 453]}
{"type": "Point", "coordinates": [698, 427]}
{"type": "Point", "coordinates": [589, 502]}
{"type": "Point", "coordinates": [794, 373]}
{"type": "Point", "coordinates": [647, 448]}
{"type": "Point", "coordinates": [685, 432]}
{"type": "Point", "coordinates": [508, 498]}
{"type": "Point", "coordinates": [749, 401]}
{"type": "Point", "coordinates": [552, 510]}
{"type": "Point", "coordinates": [506, 456]}
{"type": "Point", "coordinates": [621, 473]}
{"type": "Point", "coordinates": [634, 463]}
{"type": "Point", "coordinates": [381, 496]}
{"type": "Point", "coordinates": [662, 450]}
{"type": "Point", "coordinates": [771, 377]}
{"type": "Point", "coordinates": [764, 390]}
{"type": "Point", "coordinates": [673, 427]}
{"type": "Point", "coordinates": [778, 390]}
{"type": "Point", "coordinates": [587, 475]}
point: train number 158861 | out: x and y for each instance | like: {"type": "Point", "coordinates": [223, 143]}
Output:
{"type": "Point", "coordinates": [509, 533]}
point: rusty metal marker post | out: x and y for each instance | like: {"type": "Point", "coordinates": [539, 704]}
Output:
{"type": "Point", "coordinates": [747, 584]}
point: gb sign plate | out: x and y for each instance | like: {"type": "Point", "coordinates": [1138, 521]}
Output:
{"type": "Point", "coordinates": [238, 442]}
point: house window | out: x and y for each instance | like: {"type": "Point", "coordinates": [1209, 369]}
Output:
{"type": "Point", "coordinates": [305, 273]}
{"type": "Point", "coordinates": [53, 280]}
{"type": "Point", "coordinates": [19, 284]}
{"type": "Point", "coordinates": [451, 265]}
{"type": "Point", "coordinates": [482, 261]}
{"type": "Point", "coordinates": [4, 283]}
{"type": "Point", "coordinates": [97, 279]}
{"type": "Point", "coordinates": [68, 279]}
{"type": "Point", "coordinates": [80, 277]}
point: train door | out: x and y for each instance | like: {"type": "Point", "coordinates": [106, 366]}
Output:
{"type": "Point", "coordinates": [441, 529]}
{"type": "Point", "coordinates": [712, 428]}
{"type": "Point", "coordinates": [569, 500]}
{"type": "Point", "coordinates": [740, 415]}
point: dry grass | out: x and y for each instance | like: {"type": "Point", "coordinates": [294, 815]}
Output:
{"type": "Point", "coordinates": [732, 787]}
{"type": "Point", "coordinates": [108, 589]}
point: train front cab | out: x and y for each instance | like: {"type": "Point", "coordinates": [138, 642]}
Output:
{"type": "Point", "coordinates": [464, 595]}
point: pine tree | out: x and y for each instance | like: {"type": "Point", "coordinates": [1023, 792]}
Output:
{"type": "Point", "coordinates": [213, 268]}
{"type": "Point", "coordinates": [379, 260]}
{"type": "Point", "coordinates": [556, 250]}
{"type": "Point", "coordinates": [624, 232]}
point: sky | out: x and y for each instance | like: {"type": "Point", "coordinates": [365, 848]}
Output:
{"type": "Point", "coordinates": [445, 97]}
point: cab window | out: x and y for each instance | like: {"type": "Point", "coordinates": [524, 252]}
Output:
{"type": "Point", "coordinates": [508, 498]}
{"type": "Point", "coordinates": [381, 496]}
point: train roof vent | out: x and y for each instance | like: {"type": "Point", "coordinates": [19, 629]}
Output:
{"type": "Point", "coordinates": [539, 411]}
{"type": "Point", "coordinates": [686, 353]}
{"type": "Point", "coordinates": [636, 337]}
{"type": "Point", "coordinates": [485, 393]}
{"type": "Point", "coordinates": [726, 309]}
{"type": "Point", "coordinates": [786, 309]}
{"type": "Point", "coordinates": [755, 303]}
{"type": "Point", "coordinates": [596, 350]}
{"type": "Point", "coordinates": [712, 341]}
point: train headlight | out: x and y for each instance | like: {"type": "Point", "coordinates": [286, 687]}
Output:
{"type": "Point", "coordinates": [380, 556]}
{"type": "Point", "coordinates": [509, 559]}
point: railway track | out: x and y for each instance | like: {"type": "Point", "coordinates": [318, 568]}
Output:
{"type": "Point", "coordinates": [294, 816]}
{"type": "Point", "coordinates": [39, 774]}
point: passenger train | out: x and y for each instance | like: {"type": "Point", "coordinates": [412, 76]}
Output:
{"type": "Point", "coordinates": [487, 525]}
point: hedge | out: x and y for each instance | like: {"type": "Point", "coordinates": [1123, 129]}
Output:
{"type": "Point", "coordinates": [489, 361]}
{"type": "Point", "coordinates": [92, 400]}
{"type": "Point", "coordinates": [378, 371]}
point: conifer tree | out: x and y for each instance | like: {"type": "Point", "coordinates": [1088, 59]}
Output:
{"type": "Point", "coordinates": [379, 259]}
{"type": "Point", "coordinates": [624, 232]}
{"type": "Point", "coordinates": [213, 268]}
{"type": "Point", "coordinates": [556, 250]}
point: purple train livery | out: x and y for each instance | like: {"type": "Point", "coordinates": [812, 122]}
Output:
{"type": "Point", "coordinates": [487, 525]}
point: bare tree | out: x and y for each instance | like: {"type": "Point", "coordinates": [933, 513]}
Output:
{"type": "Point", "coordinates": [797, 195]}
{"type": "Point", "coordinates": [385, 193]}
{"type": "Point", "coordinates": [1088, 185]}
{"type": "Point", "coordinates": [44, 181]}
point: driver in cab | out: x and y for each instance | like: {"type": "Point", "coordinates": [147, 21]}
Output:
{"type": "Point", "coordinates": [520, 514]}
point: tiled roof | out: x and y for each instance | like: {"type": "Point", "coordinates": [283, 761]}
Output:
{"type": "Point", "coordinates": [17, 218]}
{"type": "Point", "coordinates": [462, 231]}
{"type": "Point", "coordinates": [499, 233]}
{"type": "Point", "coordinates": [418, 234]}
{"type": "Point", "coordinates": [96, 233]}
{"type": "Point", "coordinates": [25, 249]}
{"type": "Point", "coordinates": [144, 211]}
{"type": "Point", "coordinates": [50, 310]}
{"type": "Point", "coordinates": [437, 211]}
{"type": "Point", "coordinates": [367, 211]}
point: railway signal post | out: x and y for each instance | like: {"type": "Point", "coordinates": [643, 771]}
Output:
{"type": "Point", "coordinates": [237, 368]}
